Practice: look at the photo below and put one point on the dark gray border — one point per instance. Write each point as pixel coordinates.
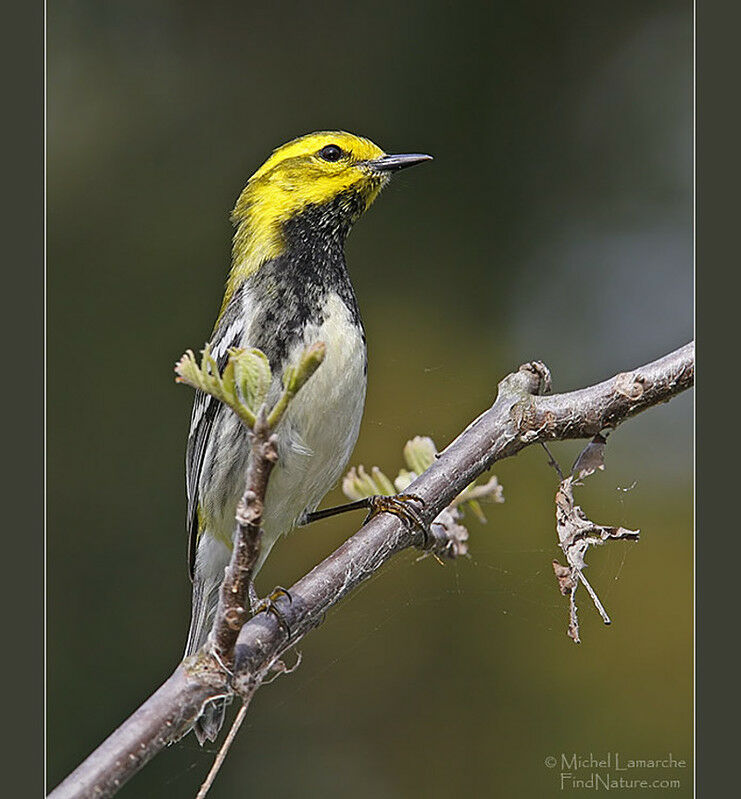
(22, 64)
(718, 264)
(717, 256)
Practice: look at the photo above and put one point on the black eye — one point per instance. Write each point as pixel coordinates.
(331, 153)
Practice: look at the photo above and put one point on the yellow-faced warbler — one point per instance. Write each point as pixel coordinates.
(288, 288)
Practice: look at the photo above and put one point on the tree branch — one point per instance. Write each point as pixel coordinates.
(519, 417)
(231, 612)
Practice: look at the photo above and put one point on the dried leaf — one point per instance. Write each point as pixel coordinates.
(576, 533)
(563, 575)
(590, 459)
(447, 525)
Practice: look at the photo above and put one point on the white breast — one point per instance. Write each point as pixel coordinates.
(320, 429)
(316, 438)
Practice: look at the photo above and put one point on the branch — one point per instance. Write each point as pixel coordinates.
(231, 612)
(519, 417)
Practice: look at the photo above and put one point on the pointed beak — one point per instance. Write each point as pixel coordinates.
(393, 163)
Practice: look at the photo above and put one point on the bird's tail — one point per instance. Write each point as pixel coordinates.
(205, 599)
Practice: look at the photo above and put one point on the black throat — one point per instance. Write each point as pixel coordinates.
(294, 287)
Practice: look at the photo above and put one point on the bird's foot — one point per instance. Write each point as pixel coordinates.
(269, 605)
(400, 505)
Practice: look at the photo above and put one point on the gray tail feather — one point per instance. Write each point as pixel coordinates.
(205, 598)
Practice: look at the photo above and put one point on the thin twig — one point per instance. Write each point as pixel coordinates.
(224, 751)
(232, 612)
(593, 594)
(551, 460)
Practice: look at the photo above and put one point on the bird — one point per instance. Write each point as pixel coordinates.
(288, 288)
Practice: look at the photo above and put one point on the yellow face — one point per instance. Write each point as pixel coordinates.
(314, 170)
(311, 170)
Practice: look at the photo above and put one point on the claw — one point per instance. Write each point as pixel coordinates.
(279, 591)
(413, 497)
(268, 605)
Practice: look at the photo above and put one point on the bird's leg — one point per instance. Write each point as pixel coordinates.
(399, 505)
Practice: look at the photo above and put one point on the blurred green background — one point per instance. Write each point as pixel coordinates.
(554, 223)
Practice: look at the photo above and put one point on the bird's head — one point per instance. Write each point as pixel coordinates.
(328, 178)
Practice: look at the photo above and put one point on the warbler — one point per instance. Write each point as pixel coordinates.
(288, 288)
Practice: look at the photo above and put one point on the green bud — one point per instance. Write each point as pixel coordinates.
(311, 360)
(385, 486)
(252, 376)
(404, 479)
(294, 379)
(419, 454)
(187, 370)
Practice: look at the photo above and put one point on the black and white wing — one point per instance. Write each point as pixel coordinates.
(206, 411)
